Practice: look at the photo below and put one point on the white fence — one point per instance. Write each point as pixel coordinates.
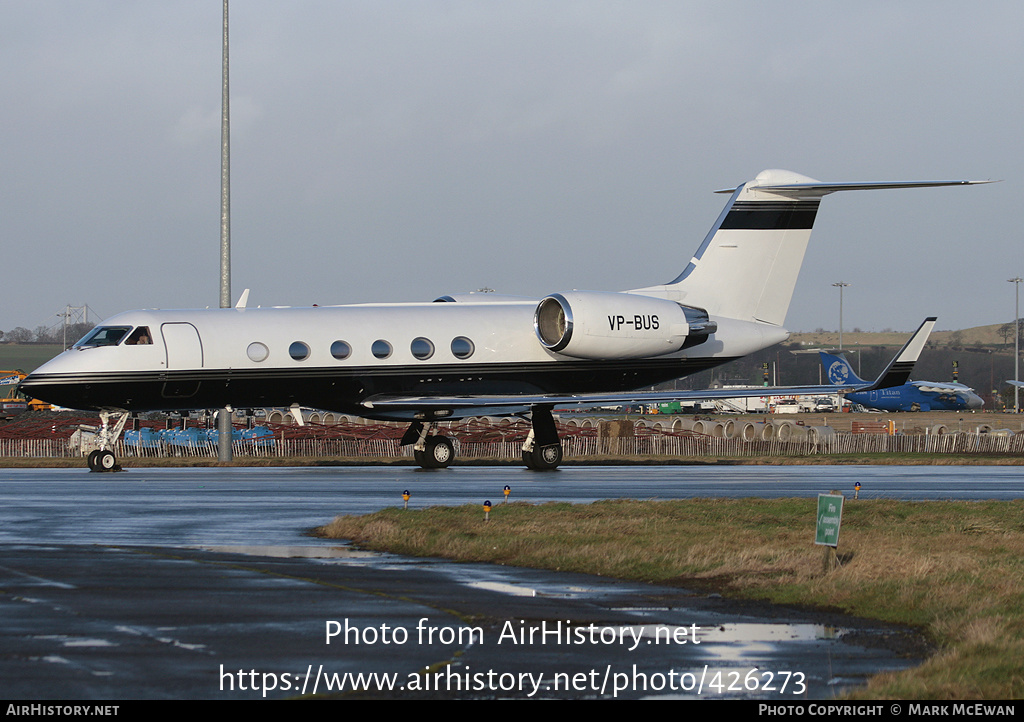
(667, 445)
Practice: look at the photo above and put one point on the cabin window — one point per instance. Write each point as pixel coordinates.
(140, 337)
(105, 336)
(462, 347)
(381, 348)
(422, 348)
(340, 350)
(257, 352)
(298, 351)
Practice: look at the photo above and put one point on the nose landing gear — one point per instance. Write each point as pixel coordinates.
(103, 459)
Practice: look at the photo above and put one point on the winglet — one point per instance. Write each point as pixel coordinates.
(898, 371)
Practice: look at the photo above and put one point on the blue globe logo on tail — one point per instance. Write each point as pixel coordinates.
(838, 373)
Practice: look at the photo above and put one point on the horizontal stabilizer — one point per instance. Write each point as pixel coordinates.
(823, 189)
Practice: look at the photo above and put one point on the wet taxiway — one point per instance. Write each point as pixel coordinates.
(185, 583)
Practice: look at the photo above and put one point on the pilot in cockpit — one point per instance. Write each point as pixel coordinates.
(139, 337)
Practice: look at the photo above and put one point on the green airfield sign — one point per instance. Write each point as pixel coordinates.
(830, 514)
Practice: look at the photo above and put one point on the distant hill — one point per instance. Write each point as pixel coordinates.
(977, 336)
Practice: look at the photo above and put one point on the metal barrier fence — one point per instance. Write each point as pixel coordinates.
(668, 445)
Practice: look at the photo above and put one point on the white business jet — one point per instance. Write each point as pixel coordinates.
(470, 354)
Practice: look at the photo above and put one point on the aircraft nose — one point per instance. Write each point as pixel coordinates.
(43, 383)
(31, 386)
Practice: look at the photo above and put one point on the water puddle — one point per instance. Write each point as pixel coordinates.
(513, 589)
(292, 552)
(67, 641)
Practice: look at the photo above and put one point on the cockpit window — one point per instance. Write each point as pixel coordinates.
(140, 337)
(104, 336)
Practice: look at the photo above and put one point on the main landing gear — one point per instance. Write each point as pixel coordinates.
(542, 450)
(430, 452)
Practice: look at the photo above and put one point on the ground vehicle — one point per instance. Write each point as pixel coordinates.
(824, 404)
(13, 402)
(787, 406)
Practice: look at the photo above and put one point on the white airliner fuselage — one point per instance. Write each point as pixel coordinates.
(336, 357)
(467, 354)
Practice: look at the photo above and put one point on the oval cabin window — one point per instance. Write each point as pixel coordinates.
(422, 348)
(257, 352)
(462, 347)
(340, 350)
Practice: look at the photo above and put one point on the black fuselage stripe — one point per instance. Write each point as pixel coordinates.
(684, 366)
(342, 389)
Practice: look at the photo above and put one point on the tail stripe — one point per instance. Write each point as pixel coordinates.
(762, 216)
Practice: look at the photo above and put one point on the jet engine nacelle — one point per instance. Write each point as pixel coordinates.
(596, 325)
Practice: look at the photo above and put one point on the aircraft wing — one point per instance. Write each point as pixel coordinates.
(942, 388)
(895, 374)
(396, 403)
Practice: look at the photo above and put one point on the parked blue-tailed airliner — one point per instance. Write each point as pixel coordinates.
(911, 396)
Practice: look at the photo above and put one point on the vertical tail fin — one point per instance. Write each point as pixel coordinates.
(897, 373)
(748, 264)
(839, 371)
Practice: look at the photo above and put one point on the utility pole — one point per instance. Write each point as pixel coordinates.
(841, 285)
(1016, 341)
(78, 313)
(224, 417)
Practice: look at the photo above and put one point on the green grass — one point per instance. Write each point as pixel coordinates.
(26, 356)
(955, 569)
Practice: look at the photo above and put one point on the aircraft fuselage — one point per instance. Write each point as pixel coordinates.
(334, 357)
(910, 397)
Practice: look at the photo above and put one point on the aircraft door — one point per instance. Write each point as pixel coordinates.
(184, 351)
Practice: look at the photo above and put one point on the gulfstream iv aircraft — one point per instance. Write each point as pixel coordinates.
(468, 354)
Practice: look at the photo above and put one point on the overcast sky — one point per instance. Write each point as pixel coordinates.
(398, 151)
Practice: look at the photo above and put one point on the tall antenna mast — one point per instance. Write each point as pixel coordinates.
(224, 426)
(225, 175)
